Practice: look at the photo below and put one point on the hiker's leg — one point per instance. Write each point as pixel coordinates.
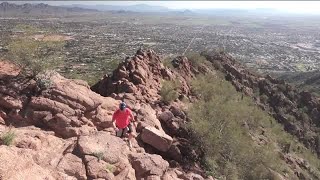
(130, 135)
(119, 133)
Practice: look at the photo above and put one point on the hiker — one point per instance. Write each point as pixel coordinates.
(121, 120)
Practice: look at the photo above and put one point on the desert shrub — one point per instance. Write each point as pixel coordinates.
(110, 168)
(196, 59)
(98, 155)
(43, 80)
(34, 56)
(169, 91)
(7, 138)
(204, 88)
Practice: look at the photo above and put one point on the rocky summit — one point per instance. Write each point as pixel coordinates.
(63, 130)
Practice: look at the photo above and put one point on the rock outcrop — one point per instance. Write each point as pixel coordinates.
(68, 107)
(158, 139)
(141, 76)
(63, 130)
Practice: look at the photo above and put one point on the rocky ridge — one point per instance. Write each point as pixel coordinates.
(63, 129)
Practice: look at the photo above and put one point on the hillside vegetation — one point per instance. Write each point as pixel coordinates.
(309, 81)
(239, 140)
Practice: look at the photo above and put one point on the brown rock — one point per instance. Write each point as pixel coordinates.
(166, 116)
(191, 176)
(177, 112)
(158, 139)
(37, 157)
(10, 102)
(112, 148)
(174, 153)
(127, 174)
(18, 164)
(148, 115)
(68, 107)
(99, 168)
(153, 177)
(45, 104)
(2, 121)
(72, 165)
(146, 165)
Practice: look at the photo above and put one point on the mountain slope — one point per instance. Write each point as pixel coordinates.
(7, 9)
(299, 112)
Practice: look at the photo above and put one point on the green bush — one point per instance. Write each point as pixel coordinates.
(169, 91)
(7, 138)
(196, 59)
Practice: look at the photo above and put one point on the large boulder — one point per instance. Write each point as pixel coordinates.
(72, 165)
(166, 116)
(147, 165)
(37, 154)
(148, 115)
(156, 138)
(111, 148)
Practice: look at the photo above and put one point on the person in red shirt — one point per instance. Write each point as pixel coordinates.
(121, 120)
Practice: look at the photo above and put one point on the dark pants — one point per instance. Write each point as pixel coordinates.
(124, 131)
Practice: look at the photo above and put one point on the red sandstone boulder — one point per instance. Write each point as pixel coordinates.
(111, 148)
(147, 165)
(72, 165)
(158, 139)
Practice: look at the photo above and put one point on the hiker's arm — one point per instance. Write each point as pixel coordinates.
(132, 119)
(114, 121)
(114, 124)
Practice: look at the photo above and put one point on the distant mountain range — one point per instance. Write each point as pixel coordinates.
(41, 8)
(133, 8)
(162, 9)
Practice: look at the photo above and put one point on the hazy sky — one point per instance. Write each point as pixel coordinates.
(289, 6)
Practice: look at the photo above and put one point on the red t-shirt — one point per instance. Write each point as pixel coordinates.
(122, 118)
